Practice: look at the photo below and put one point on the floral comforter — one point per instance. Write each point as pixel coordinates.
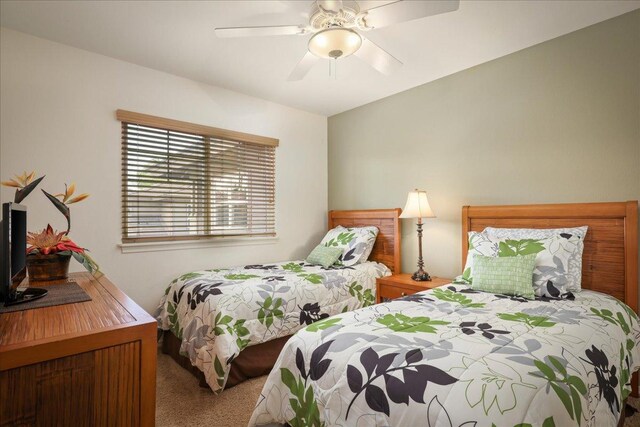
(452, 356)
(219, 312)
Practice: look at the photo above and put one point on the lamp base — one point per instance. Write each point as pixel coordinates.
(421, 276)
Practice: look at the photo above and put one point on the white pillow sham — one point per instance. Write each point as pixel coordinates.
(356, 243)
(574, 271)
(550, 277)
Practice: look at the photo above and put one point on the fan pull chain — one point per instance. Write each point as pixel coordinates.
(333, 64)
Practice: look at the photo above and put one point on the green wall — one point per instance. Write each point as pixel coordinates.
(556, 122)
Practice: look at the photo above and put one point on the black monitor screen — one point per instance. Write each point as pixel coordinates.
(14, 247)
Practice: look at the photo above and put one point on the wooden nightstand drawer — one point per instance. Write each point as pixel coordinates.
(400, 285)
(392, 292)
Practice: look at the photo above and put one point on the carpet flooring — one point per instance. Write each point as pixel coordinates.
(182, 402)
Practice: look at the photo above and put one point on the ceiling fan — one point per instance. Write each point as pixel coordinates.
(336, 27)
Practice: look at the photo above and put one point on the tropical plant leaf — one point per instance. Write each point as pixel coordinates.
(87, 262)
(64, 209)
(24, 192)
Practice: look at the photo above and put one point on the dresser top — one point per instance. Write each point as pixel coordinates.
(109, 310)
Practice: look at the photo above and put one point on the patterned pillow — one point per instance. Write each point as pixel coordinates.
(324, 256)
(356, 243)
(479, 244)
(574, 272)
(552, 258)
(504, 275)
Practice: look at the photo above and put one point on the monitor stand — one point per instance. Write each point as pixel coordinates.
(29, 294)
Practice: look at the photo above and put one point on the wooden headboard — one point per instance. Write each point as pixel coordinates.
(387, 247)
(610, 257)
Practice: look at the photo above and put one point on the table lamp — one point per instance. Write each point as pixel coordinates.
(418, 207)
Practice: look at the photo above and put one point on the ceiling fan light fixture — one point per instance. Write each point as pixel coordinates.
(334, 43)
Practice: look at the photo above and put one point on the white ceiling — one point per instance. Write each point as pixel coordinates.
(178, 37)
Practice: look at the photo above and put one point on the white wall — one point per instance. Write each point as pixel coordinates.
(57, 116)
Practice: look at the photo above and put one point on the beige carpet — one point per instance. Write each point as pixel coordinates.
(182, 402)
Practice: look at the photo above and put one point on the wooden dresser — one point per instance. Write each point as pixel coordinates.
(85, 364)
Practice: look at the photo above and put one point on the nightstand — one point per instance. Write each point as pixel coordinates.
(400, 285)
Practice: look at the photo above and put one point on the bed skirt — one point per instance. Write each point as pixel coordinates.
(253, 361)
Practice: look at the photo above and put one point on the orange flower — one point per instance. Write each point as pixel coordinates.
(49, 241)
(20, 181)
(68, 192)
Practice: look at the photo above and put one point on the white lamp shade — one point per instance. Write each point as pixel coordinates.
(417, 206)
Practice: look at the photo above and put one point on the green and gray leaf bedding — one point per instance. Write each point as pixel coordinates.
(219, 312)
(453, 356)
(558, 257)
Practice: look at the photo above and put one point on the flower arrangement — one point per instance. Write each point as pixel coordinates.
(48, 241)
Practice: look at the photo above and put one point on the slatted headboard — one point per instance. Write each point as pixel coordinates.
(610, 257)
(387, 247)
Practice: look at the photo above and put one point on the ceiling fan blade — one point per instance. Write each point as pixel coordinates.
(303, 67)
(402, 11)
(377, 57)
(278, 30)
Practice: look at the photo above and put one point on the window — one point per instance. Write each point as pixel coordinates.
(183, 181)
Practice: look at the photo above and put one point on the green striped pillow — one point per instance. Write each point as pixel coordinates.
(504, 275)
(324, 255)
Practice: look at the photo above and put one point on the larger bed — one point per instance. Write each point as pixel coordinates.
(453, 356)
(227, 325)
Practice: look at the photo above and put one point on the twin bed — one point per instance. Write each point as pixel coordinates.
(228, 325)
(454, 356)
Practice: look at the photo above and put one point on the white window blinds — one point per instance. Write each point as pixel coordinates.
(179, 185)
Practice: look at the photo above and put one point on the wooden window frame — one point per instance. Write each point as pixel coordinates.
(209, 134)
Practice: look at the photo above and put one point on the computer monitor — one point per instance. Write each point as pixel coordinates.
(13, 256)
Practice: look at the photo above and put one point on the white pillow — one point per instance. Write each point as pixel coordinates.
(552, 258)
(356, 243)
(574, 272)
